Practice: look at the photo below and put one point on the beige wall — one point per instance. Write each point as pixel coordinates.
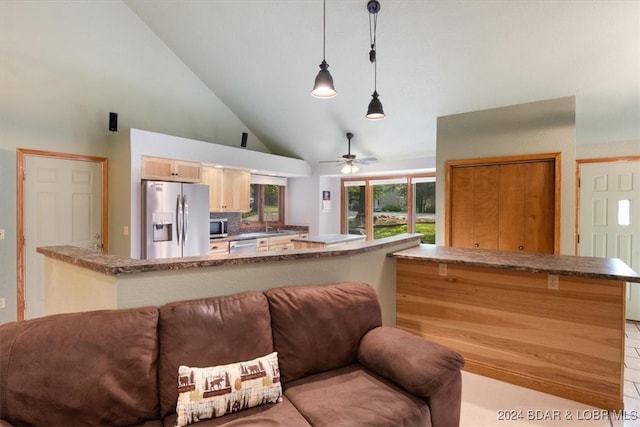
(64, 66)
(536, 127)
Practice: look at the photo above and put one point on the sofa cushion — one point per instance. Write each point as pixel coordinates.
(80, 369)
(318, 328)
(218, 390)
(210, 332)
(354, 396)
(284, 414)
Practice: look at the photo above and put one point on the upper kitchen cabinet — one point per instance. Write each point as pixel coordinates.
(507, 204)
(229, 189)
(161, 169)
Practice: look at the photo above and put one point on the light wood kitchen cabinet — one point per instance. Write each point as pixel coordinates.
(505, 206)
(263, 244)
(229, 189)
(162, 169)
(219, 248)
(279, 243)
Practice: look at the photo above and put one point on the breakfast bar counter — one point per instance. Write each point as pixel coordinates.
(78, 279)
(590, 267)
(553, 323)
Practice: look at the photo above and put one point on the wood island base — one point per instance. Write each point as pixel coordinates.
(558, 334)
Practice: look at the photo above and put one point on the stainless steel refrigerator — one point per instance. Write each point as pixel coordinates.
(175, 218)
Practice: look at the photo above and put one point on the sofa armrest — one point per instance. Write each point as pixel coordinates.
(4, 423)
(420, 366)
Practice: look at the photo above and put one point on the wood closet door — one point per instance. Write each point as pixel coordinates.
(526, 199)
(504, 206)
(475, 200)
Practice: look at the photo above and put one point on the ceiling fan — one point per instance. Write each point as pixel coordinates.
(350, 161)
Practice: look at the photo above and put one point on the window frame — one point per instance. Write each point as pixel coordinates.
(369, 182)
(245, 224)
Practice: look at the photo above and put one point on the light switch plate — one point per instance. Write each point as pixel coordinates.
(3, 303)
(1, 233)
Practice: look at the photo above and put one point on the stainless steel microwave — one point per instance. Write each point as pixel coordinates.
(218, 227)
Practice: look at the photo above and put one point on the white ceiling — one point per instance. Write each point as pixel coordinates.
(435, 58)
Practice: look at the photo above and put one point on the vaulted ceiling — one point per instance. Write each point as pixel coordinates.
(435, 58)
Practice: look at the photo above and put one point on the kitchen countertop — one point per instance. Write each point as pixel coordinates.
(260, 234)
(115, 265)
(568, 265)
(330, 239)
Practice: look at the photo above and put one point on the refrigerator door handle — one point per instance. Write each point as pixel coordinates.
(185, 210)
(179, 219)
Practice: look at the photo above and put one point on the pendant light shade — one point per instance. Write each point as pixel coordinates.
(323, 86)
(375, 111)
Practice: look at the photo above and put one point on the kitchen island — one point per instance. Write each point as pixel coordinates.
(552, 323)
(325, 240)
(78, 279)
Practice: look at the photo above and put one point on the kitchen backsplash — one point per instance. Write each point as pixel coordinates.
(234, 220)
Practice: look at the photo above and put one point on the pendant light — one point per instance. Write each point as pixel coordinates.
(375, 111)
(323, 87)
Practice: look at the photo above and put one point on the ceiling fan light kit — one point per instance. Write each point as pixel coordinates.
(349, 169)
(374, 111)
(323, 86)
(349, 161)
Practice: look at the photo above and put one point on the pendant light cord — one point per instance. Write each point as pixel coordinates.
(324, 27)
(373, 57)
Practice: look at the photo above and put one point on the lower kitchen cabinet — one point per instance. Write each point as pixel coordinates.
(218, 248)
(278, 243)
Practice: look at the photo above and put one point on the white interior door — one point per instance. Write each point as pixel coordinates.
(609, 218)
(62, 206)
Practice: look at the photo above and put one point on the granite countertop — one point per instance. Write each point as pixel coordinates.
(568, 265)
(115, 265)
(330, 239)
(260, 234)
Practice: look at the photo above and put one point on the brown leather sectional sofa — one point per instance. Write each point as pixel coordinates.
(337, 365)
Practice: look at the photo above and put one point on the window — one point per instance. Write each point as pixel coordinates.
(266, 200)
(390, 214)
(355, 208)
(424, 205)
(382, 207)
(624, 212)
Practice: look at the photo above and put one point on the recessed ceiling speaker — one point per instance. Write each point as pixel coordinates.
(113, 122)
(243, 144)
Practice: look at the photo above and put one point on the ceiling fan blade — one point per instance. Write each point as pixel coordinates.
(366, 160)
(330, 161)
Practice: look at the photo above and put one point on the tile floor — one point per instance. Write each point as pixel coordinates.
(485, 401)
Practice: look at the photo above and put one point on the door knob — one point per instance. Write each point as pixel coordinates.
(521, 247)
(476, 245)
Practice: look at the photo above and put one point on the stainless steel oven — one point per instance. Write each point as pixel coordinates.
(218, 227)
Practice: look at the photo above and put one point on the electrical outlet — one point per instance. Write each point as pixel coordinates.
(3, 303)
(442, 269)
(125, 230)
(1, 233)
(553, 281)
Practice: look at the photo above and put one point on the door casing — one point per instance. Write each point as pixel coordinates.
(20, 159)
